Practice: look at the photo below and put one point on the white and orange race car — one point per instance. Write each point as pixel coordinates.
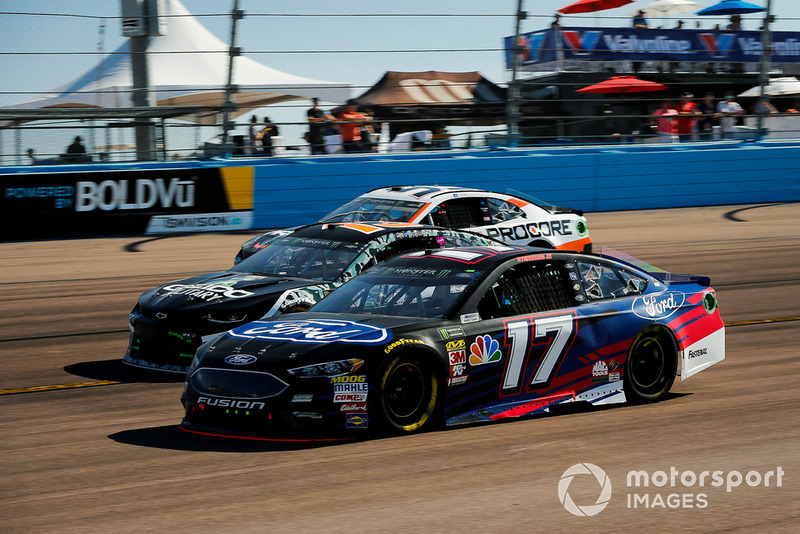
(509, 218)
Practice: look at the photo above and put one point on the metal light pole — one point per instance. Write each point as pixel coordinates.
(230, 89)
(512, 107)
(763, 75)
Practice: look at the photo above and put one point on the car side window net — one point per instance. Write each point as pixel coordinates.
(531, 288)
(459, 213)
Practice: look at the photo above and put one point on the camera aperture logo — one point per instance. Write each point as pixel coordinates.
(584, 469)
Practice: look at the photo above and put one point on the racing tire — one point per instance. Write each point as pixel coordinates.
(651, 366)
(409, 395)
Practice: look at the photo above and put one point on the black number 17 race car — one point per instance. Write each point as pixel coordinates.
(456, 336)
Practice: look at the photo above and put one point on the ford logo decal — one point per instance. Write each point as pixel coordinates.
(314, 331)
(658, 305)
(240, 359)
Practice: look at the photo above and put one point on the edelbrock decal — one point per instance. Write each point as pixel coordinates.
(658, 306)
(314, 331)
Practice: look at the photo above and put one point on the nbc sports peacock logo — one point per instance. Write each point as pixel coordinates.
(583, 470)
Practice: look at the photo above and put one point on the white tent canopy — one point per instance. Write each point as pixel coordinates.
(188, 67)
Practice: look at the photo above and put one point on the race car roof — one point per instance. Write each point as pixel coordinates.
(477, 257)
(360, 231)
(423, 193)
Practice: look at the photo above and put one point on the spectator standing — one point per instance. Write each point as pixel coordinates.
(680, 25)
(368, 139)
(706, 123)
(31, 156)
(269, 131)
(728, 110)
(252, 134)
(441, 137)
(639, 21)
(316, 127)
(687, 117)
(665, 123)
(350, 121)
(76, 151)
(735, 23)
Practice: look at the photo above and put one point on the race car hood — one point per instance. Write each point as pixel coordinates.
(306, 338)
(218, 289)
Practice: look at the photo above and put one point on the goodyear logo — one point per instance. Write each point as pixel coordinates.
(399, 343)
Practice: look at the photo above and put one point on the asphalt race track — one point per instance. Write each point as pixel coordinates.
(86, 447)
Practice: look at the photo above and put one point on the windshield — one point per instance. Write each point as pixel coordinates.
(401, 291)
(302, 257)
(374, 209)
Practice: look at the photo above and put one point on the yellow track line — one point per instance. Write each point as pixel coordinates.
(34, 389)
(763, 321)
(59, 386)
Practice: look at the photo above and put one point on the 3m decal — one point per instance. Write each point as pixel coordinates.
(521, 335)
(484, 350)
(457, 357)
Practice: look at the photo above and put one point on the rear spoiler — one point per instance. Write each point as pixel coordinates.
(666, 277)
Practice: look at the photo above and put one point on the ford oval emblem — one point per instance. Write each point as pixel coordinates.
(314, 331)
(658, 305)
(240, 359)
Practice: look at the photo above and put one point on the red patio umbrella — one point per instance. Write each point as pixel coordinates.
(623, 84)
(590, 6)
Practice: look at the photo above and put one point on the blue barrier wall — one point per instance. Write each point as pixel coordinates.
(607, 178)
(289, 191)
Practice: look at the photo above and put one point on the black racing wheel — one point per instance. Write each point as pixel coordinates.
(409, 394)
(651, 366)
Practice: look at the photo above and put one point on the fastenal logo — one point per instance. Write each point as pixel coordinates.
(584, 469)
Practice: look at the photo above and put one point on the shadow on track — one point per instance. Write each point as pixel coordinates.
(170, 437)
(115, 370)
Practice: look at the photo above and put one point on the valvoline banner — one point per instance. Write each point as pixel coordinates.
(644, 44)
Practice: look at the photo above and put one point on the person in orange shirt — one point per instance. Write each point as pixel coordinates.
(350, 121)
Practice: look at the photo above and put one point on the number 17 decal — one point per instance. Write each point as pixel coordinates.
(521, 335)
